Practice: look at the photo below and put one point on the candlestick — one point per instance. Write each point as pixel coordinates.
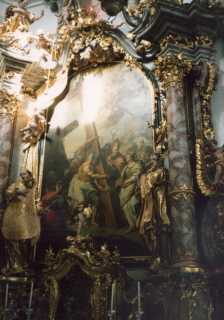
(6, 295)
(139, 314)
(111, 314)
(112, 297)
(31, 295)
(139, 299)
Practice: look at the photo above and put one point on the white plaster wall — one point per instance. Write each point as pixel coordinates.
(217, 101)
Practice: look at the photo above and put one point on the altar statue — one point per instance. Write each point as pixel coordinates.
(153, 222)
(19, 18)
(129, 199)
(35, 127)
(21, 224)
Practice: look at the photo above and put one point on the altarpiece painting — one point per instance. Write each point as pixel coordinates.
(97, 146)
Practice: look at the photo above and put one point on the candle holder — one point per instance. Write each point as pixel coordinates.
(29, 312)
(111, 314)
(139, 314)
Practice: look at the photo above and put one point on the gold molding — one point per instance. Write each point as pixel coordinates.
(183, 42)
(177, 1)
(181, 192)
(138, 9)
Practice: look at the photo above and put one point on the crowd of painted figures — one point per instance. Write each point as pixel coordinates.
(21, 224)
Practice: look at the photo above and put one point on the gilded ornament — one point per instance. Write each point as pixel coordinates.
(172, 69)
(204, 41)
(135, 11)
(157, 293)
(193, 255)
(28, 92)
(161, 130)
(186, 43)
(12, 75)
(216, 153)
(9, 103)
(206, 146)
(181, 192)
(16, 26)
(206, 93)
(177, 1)
(177, 40)
(91, 34)
(212, 3)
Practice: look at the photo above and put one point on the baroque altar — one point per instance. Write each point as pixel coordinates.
(111, 164)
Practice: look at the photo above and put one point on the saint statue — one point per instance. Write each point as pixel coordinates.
(153, 222)
(21, 224)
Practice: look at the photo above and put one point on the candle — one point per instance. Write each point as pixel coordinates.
(139, 302)
(31, 295)
(112, 296)
(6, 295)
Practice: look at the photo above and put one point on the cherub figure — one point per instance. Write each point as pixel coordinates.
(81, 219)
(217, 153)
(65, 12)
(43, 43)
(88, 211)
(35, 127)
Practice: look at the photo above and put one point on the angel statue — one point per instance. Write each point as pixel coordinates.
(19, 18)
(34, 128)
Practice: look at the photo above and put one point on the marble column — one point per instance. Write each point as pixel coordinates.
(172, 70)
